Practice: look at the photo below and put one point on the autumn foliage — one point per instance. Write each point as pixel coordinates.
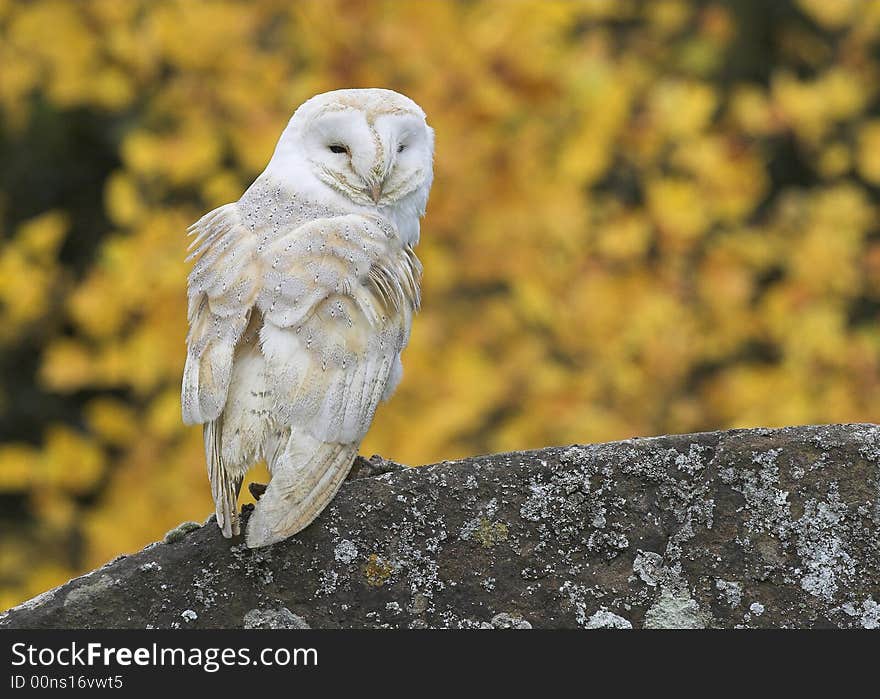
(648, 217)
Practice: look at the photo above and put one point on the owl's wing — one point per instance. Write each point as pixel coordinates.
(222, 289)
(337, 301)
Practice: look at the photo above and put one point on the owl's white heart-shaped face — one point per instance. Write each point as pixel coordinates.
(371, 146)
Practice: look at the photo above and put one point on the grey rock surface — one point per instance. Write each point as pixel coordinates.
(747, 528)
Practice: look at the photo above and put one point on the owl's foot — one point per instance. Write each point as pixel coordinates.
(257, 489)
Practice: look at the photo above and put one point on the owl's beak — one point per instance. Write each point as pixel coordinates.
(376, 191)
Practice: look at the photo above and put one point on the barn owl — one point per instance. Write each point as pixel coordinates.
(301, 300)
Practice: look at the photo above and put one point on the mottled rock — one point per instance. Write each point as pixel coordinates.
(746, 528)
(732, 591)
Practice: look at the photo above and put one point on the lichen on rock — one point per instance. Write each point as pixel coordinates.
(277, 618)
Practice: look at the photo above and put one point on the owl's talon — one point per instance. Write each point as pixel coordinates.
(257, 489)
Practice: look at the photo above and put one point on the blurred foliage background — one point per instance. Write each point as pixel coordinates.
(648, 217)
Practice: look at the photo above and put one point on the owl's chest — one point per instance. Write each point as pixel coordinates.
(269, 209)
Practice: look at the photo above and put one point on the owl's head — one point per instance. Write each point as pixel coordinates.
(371, 146)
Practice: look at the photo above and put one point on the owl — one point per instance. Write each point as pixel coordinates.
(301, 299)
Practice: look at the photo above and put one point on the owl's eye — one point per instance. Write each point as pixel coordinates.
(337, 148)
(401, 148)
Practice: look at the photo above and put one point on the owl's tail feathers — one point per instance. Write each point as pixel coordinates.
(224, 486)
(305, 477)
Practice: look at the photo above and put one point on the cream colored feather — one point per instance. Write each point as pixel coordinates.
(301, 301)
